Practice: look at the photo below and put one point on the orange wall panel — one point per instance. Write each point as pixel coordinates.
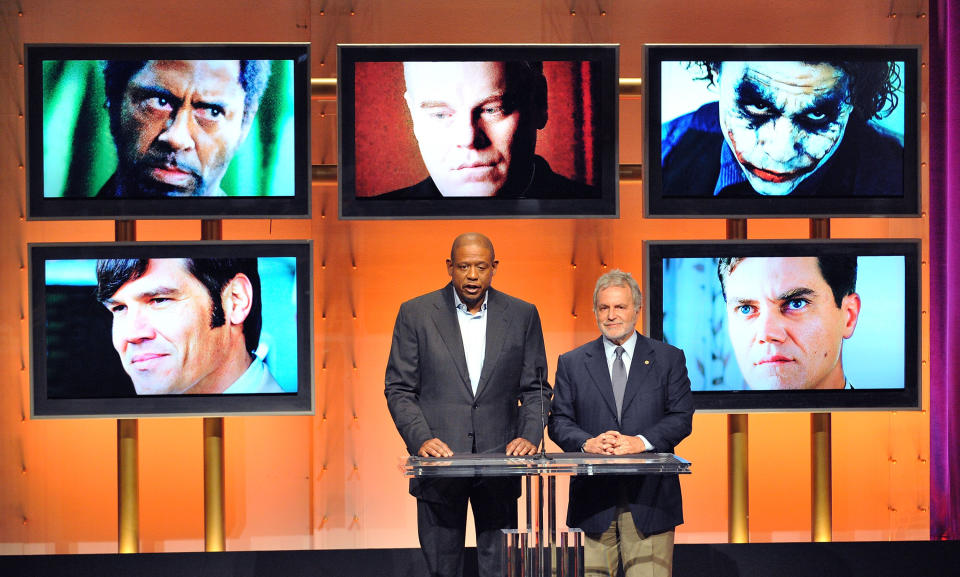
(332, 480)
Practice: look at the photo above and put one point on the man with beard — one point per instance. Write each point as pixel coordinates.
(620, 394)
(178, 123)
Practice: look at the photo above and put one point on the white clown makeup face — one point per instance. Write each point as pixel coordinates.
(782, 120)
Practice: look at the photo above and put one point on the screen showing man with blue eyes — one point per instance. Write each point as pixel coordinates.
(788, 318)
(177, 123)
(788, 128)
(476, 126)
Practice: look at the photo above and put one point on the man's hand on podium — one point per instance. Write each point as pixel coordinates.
(520, 446)
(435, 448)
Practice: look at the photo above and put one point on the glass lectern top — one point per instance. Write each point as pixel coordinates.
(495, 465)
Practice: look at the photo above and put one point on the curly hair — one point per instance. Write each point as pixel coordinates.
(253, 78)
(873, 85)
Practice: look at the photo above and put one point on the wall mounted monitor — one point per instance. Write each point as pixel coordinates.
(124, 131)
(478, 131)
(781, 131)
(791, 325)
(171, 329)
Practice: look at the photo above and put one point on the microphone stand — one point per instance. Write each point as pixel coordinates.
(541, 453)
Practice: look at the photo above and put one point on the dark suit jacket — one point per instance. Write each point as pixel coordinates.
(657, 404)
(428, 387)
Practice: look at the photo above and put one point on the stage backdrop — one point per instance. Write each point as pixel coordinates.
(331, 480)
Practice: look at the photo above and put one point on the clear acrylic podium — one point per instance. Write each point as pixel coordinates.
(534, 551)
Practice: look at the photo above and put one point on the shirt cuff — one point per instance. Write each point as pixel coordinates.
(646, 444)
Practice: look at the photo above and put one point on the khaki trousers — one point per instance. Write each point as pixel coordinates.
(640, 555)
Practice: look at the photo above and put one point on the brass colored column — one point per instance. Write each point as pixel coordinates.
(738, 518)
(214, 534)
(738, 497)
(821, 451)
(821, 499)
(128, 468)
(128, 487)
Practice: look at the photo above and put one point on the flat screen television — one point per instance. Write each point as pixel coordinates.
(781, 131)
(813, 325)
(134, 330)
(477, 131)
(124, 131)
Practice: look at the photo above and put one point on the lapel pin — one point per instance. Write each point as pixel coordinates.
(646, 362)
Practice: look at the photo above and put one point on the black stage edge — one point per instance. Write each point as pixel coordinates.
(887, 559)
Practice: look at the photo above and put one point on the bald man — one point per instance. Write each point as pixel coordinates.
(476, 125)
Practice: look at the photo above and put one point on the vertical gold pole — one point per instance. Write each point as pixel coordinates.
(213, 485)
(128, 487)
(738, 497)
(821, 472)
(738, 522)
(821, 453)
(128, 468)
(214, 531)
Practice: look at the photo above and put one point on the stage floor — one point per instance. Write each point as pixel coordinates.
(889, 559)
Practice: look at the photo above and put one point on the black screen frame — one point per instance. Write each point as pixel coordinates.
(40, 207)
(45, 406)
(657, 205)
(353, 208)
(860, 399)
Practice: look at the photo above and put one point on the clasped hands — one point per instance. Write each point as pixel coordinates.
(614, 443)
(437, 448)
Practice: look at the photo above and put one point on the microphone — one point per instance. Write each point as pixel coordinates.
(543, 417)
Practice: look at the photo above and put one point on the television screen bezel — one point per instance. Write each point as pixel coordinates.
(299, 403)
(353, 208)
(656, 205)
(40, 207)
(744, 401)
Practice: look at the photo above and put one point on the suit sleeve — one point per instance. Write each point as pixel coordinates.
(563, 427)
(677, 420)
(533, 379)
(403, 384)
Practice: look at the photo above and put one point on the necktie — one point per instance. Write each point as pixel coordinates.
(619, 379)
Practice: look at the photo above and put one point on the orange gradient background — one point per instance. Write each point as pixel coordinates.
(331, 481)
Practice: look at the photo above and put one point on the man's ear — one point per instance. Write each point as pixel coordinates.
(237, 299)
(540, 103)
(850, 307)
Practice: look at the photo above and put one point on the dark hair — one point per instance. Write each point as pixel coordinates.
(213, 274)
(873, 85)
(839, 272)
(525, 79)
(117, 73)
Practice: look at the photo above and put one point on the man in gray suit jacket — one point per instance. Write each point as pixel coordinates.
(623, 393)
(461, 359)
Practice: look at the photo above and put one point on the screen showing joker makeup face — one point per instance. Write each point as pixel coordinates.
(782, 120)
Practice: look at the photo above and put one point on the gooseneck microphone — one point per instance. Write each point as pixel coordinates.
(543, 417)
